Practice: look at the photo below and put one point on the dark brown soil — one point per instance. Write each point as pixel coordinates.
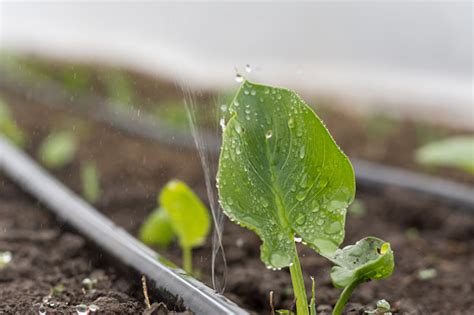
(47, 257)
(424, 233)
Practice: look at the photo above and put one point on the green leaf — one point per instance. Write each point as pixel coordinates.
(90, 182)
(187, 214)
(8, 126)
(369, 259)
(282, 175)
(157, 229)
(58, 149)
(452, 152)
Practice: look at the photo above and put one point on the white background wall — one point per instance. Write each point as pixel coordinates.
(398, 53)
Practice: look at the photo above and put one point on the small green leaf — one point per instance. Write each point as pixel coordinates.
(58, 149)
(157, 229)
(452, 152)
(282, 175)
(368, 259)
(90, 182)
(8, 126)
(187, 214)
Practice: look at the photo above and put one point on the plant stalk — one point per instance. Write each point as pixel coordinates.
(344, 297)
(298, 286)
(187, 259)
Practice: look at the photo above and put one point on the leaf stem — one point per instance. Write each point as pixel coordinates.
(344, 297)
(187, 259)
(298, 286)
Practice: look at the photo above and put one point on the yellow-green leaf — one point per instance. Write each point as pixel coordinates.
(187, 214)
(369, 259)
(58, 149)
(157, 229)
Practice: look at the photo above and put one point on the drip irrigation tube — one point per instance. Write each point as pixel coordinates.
(368, 174)
(108, 236)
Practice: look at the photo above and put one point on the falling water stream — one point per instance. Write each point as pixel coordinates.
(204, 138)
(205, 145)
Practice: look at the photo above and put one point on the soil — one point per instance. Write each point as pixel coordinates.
(424, 233)
(49, 265)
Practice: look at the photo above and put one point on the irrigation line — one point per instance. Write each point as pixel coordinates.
(113, 239)
(368, 174)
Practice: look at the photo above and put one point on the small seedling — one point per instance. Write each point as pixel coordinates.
(282, 176)
(8, 126)
(89, 284)
(90, 181)
(57, 289)
(58, 149)
(181, 214)
(383, 308)
(455, 152)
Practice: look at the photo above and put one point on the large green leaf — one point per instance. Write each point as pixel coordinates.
(282, 175)
(369, 259)
(187, 214)
(157, 229)
(452, 152)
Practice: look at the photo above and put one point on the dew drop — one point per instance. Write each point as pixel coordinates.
(302, 152)
(82, 309)
(266, 91)
(253, 92)
(224, 108)
(236, 103)
(291, 123)
(5, 258)
(246, 92)
(297, 239)
(238, 127)
(93, 308)
(278, 259)
(333, 228)
(248, 68)
(268, 134)
(301, 219)
(222, 123)
(239, 78)
(301, 195)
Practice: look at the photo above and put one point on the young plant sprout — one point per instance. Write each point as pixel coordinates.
(180, 214)
(282, 176)
(8, 126)
(90, 181)
(455, 152)
(58, 149)
(383, 308)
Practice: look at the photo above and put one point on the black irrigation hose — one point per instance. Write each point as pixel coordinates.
(108, 236)
(368, 174)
